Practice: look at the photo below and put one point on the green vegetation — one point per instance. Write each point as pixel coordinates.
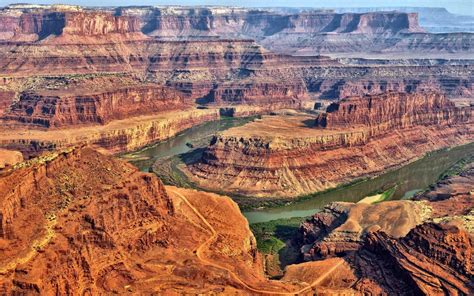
(272, 236)
(387, 195)
(458, 167)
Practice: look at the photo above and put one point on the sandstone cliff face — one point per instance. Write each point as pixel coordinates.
(50, 24)
(118, 136)
(273, 95)
(255, 24)
(286, 156)
(102, 227)
(69, 110)
(393, 111)
(432, 259)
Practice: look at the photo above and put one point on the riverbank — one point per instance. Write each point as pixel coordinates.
(276, 238)
(169, 170)
(112, 138)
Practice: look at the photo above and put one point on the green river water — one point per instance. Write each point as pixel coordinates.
(409, 179)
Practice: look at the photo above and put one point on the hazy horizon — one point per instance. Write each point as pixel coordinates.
(465, 7)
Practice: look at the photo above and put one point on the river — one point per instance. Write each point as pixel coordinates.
(409, 179)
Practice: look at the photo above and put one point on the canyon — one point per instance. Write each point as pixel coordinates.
(329, 96)
(101, 226)
(292, 155)
(64, 67)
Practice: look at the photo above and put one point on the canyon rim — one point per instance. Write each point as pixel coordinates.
(140, 144)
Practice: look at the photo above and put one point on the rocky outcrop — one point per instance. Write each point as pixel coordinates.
(432, 259)
(68, 109)
(273, 95)
(286, 156)
(78, 222)
(393, 111)
(60, 26)
(118, 136)
(341, 228)
(418, 247)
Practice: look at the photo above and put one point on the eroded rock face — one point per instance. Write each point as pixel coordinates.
(341, 228)
(432, 259)
(260, 24)
(65, 26)
(273, 95)
(115, 137)
(102, 227)
(287, 156)
(399, 247)
(393, 111)
(66, 109)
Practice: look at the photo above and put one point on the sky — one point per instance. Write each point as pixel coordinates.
(455, 6)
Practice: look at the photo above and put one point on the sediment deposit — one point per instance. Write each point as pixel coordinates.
(293, 155)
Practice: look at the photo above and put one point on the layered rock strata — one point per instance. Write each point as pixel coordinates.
(115, 137)
(67, 26)
(59, 109)
(387, 112)
(286, 156)
(302, 31)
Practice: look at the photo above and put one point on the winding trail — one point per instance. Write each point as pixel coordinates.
(201, 248)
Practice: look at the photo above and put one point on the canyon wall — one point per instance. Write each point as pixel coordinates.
(276, 95)
(287, 156)
(301, 31)
(393, 111)
(295, 32)
(62, 26)
(115, 137)
(58, 79)
(260, 24)
(66, 109)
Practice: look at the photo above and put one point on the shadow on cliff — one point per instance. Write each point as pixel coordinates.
(192, 156)
(290, 253)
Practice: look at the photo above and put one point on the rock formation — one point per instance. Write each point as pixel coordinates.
(286, 156)
(67, 26)
(301, 31)
(115, 137)
(387, 112)
(432, 259)
(102, 227)
(418, 247)
(341, 227)
(58, 109)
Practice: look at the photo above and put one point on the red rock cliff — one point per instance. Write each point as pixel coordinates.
(66, 110)
(40, 25)
(393, 111)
